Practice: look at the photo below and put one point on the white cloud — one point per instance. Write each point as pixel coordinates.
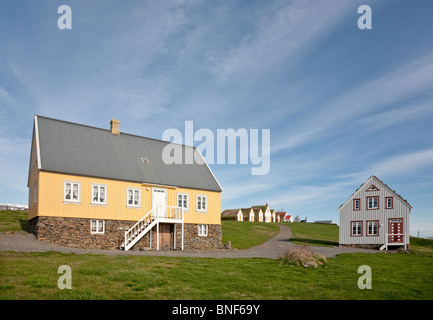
(399, 84)
(280, 35)
(404, 164)
(396, 116)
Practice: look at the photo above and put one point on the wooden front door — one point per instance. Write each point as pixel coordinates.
(395, 230)
(164, 236)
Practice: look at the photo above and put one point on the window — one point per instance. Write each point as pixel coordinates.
(201, 203)
(389, 202)
(33, 157)
(35, 193)
(372, 203)
(356, 228)
(71, 192)
(372, 228)
(183, 201)
(356, 204)
(373, 188)
(202, 230)
(97, 226)
(133, 197)
(99, 194)
(144, 160)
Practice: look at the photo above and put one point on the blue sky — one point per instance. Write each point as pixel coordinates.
(342, 103)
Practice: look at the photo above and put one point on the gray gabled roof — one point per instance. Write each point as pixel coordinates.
(77, 149)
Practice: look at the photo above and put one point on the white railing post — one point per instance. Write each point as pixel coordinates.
(174, 237)
(157, 236)
(182, 226)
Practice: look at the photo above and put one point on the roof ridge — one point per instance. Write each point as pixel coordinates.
(108, 130)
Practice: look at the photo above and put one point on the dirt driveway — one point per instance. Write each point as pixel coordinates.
(272, 248)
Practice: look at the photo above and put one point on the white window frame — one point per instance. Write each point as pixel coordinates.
(98, 224)
(72, 183)
(202, 230)
(136, 196)
(183, 197)
(35, 192)
(98, 202)
(199, 199)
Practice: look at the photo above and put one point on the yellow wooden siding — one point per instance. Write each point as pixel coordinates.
(33, 177)
(213, 214)
(51, 200)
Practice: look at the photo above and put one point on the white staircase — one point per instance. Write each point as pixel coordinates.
(152, 218)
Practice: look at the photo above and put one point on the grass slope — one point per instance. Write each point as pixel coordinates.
(13, 220)
(316, 234)
(244, 235)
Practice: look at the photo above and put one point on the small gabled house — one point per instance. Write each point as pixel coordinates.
(285, 217)
(267, 213)
(99, 188)
(375, 216)
(240, 215)
(251, 214)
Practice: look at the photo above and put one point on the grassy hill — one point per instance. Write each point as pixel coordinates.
(316, 234)
(244, 235)
(15, 220)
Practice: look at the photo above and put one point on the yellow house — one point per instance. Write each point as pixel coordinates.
(98, 188)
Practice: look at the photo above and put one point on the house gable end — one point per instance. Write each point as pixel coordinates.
(374, 185)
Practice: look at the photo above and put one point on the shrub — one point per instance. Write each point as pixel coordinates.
(302, 256)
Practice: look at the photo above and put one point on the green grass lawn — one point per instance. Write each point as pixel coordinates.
(245, 234)
(34, 276)
(315, 234)
(13, 220)
(421, 246)
(394, 276)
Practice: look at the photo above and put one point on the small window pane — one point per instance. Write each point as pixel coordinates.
(68, 191)
(75, 192)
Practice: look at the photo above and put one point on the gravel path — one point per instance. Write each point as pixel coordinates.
(270, 249)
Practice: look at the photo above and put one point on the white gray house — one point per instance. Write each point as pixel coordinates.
(375, 216)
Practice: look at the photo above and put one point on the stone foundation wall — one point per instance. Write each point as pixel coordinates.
(75, 232)
(192, 241)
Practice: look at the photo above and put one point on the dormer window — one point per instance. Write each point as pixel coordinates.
(144, 160)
